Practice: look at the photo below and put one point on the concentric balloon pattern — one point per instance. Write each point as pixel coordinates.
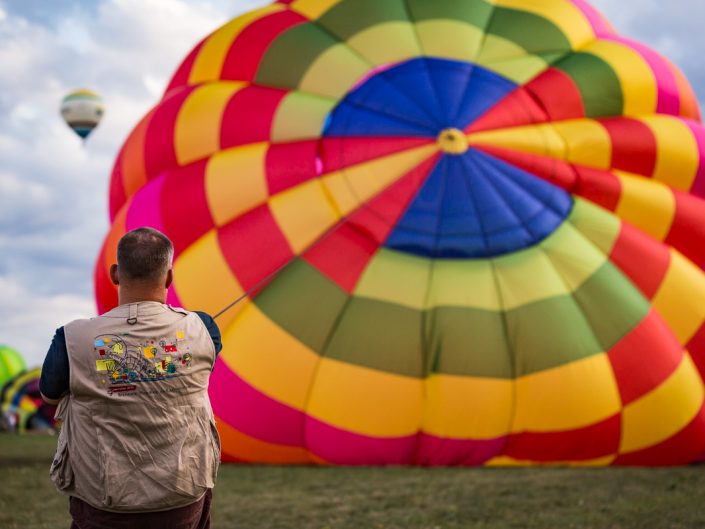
(471, 232)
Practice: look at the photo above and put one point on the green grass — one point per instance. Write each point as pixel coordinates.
(255, 497)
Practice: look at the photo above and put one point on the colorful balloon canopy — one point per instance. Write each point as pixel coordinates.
(82, 110)
(22, 406)
(11, 363)
(490, 220)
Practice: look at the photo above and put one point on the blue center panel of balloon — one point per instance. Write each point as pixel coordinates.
(471, 205)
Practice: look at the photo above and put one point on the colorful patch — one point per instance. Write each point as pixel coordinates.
(124, 364)
(104, 365)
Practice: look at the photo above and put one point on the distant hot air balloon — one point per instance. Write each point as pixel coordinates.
(486, 222)
(22, 405)
(82, 110)
(11, 363)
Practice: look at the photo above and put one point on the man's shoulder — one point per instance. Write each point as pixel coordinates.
(205, 317)
(58, 342)
(79, 322)
(179, 310)
(212, 328)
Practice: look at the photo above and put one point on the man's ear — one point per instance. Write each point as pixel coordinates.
(169, 278)
(114, 274)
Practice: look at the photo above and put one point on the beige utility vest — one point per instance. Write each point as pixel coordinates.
(138, 431)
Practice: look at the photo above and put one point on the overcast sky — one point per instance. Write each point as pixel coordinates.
(53, 190)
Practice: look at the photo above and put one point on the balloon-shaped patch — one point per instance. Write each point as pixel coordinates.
(468, 232)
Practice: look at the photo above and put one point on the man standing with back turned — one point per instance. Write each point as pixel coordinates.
(138, 446)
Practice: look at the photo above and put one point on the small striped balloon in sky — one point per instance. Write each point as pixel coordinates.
(82, 110)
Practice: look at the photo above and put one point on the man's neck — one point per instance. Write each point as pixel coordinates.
(129, 295)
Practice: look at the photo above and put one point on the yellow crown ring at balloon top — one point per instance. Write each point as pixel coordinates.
(82, 92)
(452, 141)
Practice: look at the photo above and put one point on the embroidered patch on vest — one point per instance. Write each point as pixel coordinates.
(123, 365)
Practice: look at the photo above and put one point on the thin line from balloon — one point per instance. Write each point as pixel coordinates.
(281, 267)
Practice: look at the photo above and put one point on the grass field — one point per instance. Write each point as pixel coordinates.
(255, 497)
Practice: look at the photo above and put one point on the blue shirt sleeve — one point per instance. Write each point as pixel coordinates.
(54, 380)
(213, 330)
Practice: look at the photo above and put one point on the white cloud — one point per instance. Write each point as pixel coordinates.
(34, 318)
(74, 34)
(154, 85)
(29, 195)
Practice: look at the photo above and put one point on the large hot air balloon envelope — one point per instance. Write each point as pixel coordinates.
(82, 110)
(490, 221)
(11, 363)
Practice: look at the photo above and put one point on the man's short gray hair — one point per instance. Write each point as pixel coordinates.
(144, 254)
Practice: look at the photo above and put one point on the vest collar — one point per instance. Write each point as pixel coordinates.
(132, 311)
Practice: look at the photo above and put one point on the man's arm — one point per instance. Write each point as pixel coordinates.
(213, 330)
(53, 402)
(54, 380)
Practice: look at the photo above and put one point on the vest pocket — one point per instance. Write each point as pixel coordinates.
(60, 471)
(215, 443)
(199, 456)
